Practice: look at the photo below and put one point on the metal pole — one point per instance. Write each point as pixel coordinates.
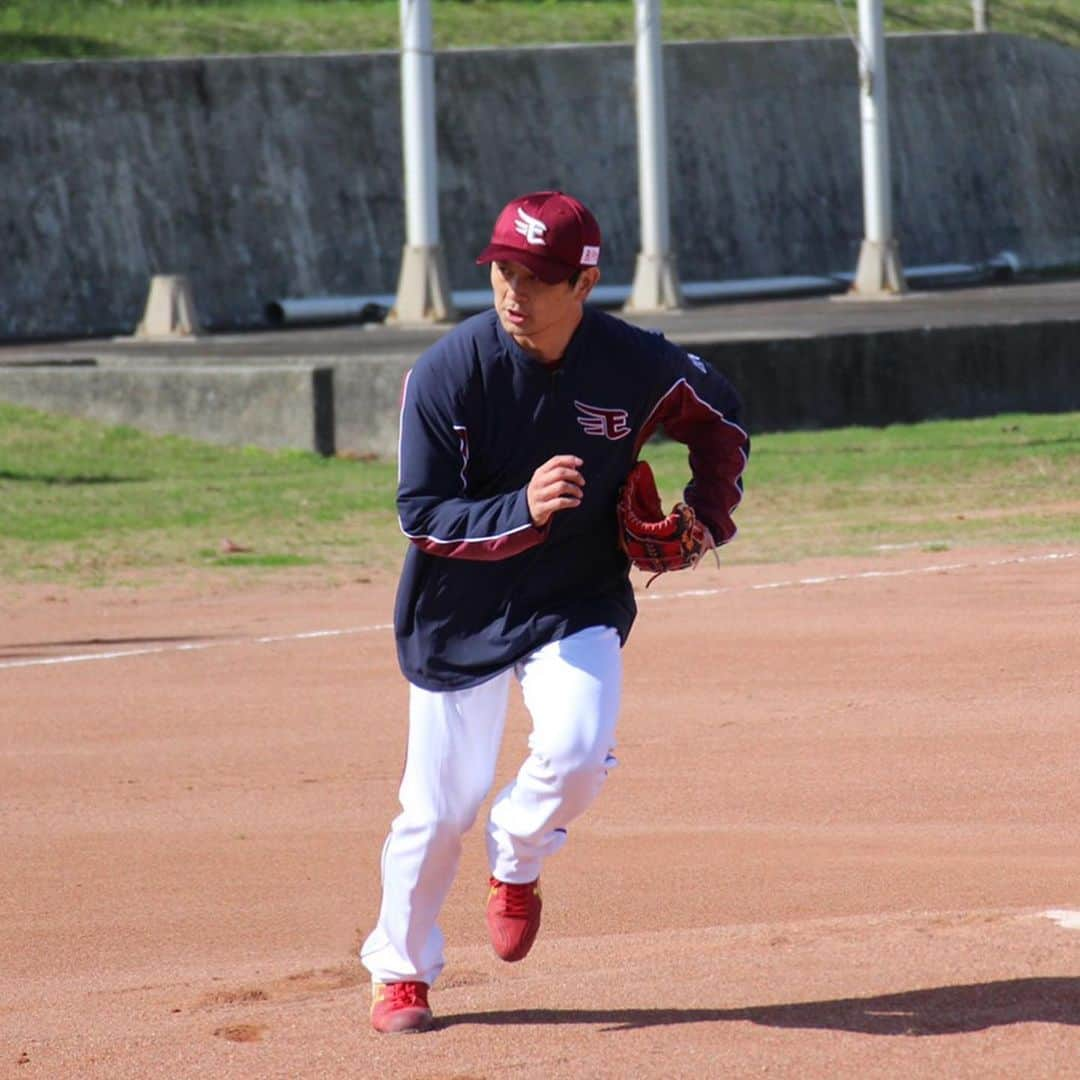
(652, 129)
(879, 271)
(418, 124)
(423, 292)
(873, 111)
(656, 283)
(981, 12)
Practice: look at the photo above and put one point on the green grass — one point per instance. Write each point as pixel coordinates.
(1004, 479)
(85, 504)
(81, 29)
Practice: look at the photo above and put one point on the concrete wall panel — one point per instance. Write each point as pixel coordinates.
(271, 407)
(264, 177)
(903, 376)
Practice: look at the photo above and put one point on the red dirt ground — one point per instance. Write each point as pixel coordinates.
(848, 797)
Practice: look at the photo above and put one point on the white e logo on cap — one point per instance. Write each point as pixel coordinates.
(531, 228)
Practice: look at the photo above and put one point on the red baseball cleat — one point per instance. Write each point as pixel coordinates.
(513, 917)
(400, 1008)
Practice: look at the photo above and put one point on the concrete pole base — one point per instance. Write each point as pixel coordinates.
(656, 284)
(423, 292)
(170, 309)
(878, 275)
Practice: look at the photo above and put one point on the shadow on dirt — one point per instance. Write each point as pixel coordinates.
(156, 639)
(945, 1010)
(27, 650)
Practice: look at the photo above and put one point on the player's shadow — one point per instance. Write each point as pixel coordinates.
(943, 1010)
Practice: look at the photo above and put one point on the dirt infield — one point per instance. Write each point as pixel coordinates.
(842, 840)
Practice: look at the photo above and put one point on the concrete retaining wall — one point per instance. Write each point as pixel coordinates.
(904, 376)
(264, 177)
(273, 407)
(350, 404)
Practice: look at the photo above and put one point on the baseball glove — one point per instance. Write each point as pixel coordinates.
(655, 541)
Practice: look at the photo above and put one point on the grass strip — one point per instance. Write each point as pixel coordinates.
(97, 29)
(85, 504)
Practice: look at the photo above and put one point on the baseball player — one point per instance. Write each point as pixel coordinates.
(519, 429)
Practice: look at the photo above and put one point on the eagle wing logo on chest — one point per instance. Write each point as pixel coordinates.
(611, 424)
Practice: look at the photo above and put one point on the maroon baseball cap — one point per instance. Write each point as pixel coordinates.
(550, 232)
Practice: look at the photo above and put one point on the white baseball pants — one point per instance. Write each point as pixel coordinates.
(571, 689)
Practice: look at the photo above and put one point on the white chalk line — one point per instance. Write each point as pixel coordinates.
(1068, 920)
(190, 646)
(790, 583)
(863, 575)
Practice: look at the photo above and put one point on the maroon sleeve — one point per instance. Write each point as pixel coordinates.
(701, 409)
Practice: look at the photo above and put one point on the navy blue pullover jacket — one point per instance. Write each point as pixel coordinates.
(482, 586)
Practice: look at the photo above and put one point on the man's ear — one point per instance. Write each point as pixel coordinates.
(586, 282)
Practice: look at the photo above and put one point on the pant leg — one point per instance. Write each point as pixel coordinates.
(572, 689)
(449, 769)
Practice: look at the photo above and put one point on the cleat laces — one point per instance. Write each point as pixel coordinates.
(517, 900)
(405, 994)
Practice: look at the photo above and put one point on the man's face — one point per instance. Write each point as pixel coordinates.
(528, 307)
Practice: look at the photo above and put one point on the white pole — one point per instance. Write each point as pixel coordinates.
(873, 109)
(418, 124)
(423, 292)
(656, 283)
(879, 270)
(652, 129)
(981, 11)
